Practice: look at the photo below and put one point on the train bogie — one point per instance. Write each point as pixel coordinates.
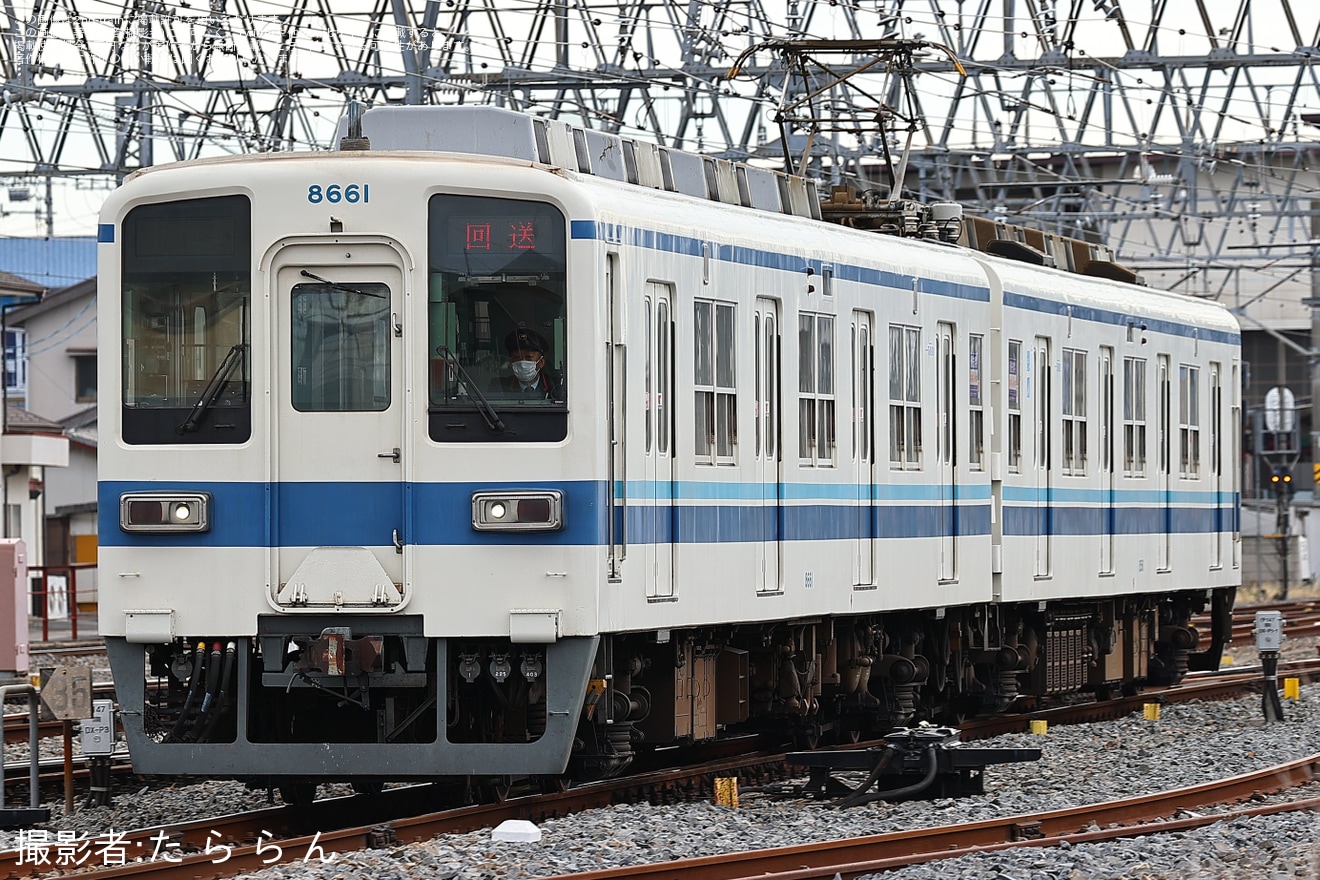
(425, 462)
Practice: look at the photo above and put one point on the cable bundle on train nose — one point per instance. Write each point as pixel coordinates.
(184, 722)
(211, 680)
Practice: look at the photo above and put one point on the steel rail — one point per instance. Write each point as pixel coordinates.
(1169, 826)
(862, 855)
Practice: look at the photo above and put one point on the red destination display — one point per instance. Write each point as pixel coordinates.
(498, 236)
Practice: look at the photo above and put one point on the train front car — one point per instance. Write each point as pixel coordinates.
(314, 440)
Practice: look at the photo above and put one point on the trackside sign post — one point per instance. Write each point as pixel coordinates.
(66, 695)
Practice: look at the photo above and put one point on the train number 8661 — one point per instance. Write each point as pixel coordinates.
(334, 193)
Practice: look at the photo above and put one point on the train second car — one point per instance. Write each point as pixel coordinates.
(485, 445)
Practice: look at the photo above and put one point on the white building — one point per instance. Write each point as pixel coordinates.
(59, 523)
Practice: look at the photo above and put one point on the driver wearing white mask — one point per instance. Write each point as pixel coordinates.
(527, 363)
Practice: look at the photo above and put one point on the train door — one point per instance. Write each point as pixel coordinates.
(1108, 511)
(659, 504)
(616, 355)
(1235, 465)
(863, 380)
(765, 323)
(1043, 463)
(338, 522)
(1216, 468)
(1164, 455)
(946, 444)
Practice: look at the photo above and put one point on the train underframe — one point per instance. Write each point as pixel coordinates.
(317, 698)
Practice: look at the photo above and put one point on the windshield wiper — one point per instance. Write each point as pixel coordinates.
(213, 388)
(344, 287)
(493, 420)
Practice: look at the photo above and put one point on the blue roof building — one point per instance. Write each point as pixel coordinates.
(49, 262)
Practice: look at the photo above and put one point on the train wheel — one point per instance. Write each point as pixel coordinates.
(552, 784)
(298, 794)
(369, 788)
(807, 739)
(495, 789)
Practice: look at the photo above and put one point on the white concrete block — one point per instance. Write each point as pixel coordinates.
(517, 830)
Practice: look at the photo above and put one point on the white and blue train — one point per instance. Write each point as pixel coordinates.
(777, 470)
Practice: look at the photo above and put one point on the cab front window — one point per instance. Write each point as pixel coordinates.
(186, 293)
(497, 320)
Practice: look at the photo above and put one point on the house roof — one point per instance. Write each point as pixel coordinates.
(81, 427)
(81, 419)
(11, 283)
(20, 421)
(53, 299)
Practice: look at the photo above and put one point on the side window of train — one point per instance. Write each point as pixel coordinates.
(975, 404)
(497, 320)
(1015, 406)
(1216, 417)
(1073, 402)
(655, 322)
(904, 397)
(816, 431)
(1189, 422)
(715, 387)
(649, 354)
(1134, 417)
(187, 303)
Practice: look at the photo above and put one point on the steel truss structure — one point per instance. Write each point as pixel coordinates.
(1179, 131)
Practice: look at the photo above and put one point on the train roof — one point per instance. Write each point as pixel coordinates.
(495, 131)
(483, 133)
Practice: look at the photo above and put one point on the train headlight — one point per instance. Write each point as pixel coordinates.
(160, 512)
(541, 511)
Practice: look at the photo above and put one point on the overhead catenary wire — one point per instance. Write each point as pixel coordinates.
(255, 48)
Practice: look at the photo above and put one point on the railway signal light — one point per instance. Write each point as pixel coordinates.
(1282, 483)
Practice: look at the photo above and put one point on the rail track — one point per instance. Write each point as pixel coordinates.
(1301, 620)
(78, 648)
(857, 856)
(232, 845)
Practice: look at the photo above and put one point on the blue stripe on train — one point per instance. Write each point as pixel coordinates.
(329, 514)
(685, 524)
(1066, 521)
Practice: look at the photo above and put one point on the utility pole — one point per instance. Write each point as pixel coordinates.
(1313, 362)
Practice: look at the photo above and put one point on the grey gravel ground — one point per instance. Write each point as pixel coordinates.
(1265, 848)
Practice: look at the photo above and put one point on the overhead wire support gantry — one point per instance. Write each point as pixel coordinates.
(811, 63)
